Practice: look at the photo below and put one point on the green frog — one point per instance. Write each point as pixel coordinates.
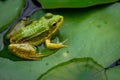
(26, 35)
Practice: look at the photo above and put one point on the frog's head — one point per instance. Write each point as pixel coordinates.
(54, 21)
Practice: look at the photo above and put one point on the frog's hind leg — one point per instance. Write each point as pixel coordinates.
(51, 45)
(25, 51)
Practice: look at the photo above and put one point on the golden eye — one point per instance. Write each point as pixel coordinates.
(48, 15)
(53, 23)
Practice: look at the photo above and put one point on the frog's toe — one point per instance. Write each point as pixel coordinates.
(36, 56)
(32, 56)
(51, 45)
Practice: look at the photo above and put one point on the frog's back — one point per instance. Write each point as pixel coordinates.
(30, 31)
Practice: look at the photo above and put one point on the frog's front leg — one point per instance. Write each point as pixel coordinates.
(25, 51)
(51, 45)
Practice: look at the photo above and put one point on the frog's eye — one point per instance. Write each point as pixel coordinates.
(48, 15)
(52, 23)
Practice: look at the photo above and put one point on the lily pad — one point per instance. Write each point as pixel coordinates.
(9, 11)
(76, 69)
(47, 4)
(113, 73)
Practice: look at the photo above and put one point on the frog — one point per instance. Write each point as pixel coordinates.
(26, 35)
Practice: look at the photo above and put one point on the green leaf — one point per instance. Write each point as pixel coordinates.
(113, 73)
(9, 11)
(47, 4)
(76, 69)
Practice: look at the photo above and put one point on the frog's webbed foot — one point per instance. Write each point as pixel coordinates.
(54, 45)
(25, 51)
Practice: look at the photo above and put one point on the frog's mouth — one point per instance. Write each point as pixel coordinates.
(60, 21)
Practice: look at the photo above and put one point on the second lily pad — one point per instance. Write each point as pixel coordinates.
(9, 10)
(72, 3)
(76, 69)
